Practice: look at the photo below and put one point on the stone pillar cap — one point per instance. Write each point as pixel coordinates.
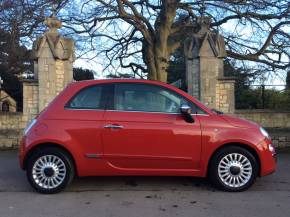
(53, 24)
(61, 48)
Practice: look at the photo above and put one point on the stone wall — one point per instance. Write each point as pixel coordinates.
(280, 137)
(12, 120)
(277, 124)
(11, 128)
(10, 138)
(266, 118)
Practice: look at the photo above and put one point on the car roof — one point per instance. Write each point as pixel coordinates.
(60, 101)
(123, 80)
(85, 83)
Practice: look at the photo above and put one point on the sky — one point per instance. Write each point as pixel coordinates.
(97, 64)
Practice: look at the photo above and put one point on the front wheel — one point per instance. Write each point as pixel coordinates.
(49, 170)
(233, 169)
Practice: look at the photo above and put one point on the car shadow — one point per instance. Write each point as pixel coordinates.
(13, 179)
(139, 183)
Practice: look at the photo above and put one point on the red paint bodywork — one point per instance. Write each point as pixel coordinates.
(149, 144)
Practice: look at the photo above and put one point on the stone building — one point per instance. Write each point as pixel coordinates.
(7, 103)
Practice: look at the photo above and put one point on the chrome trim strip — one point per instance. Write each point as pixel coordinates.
(168, 113)
(83, 109)
(201, 114)
(90, 155)
(111, 110)
(112, 126)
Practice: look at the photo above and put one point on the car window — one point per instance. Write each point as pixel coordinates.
(149, 98)
(88, 98)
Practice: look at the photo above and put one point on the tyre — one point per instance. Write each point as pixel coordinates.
(50, 170)
(233, 169)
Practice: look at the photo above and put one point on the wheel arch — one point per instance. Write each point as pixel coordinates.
(49, 145)
(242, 145)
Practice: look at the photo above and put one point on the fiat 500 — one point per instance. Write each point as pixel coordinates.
(140, 128)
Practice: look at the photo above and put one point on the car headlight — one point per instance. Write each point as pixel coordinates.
(271, 149)
(264, 132)
(29, 126)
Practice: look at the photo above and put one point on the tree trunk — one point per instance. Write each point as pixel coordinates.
(288, 81)
(158, 53)
(157, 64)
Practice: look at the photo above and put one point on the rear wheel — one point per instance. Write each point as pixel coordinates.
(50, 170)
(233, 169)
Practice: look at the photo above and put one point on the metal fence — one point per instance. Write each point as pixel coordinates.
(265, 96)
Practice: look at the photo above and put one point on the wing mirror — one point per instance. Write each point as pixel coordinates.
(186, 113)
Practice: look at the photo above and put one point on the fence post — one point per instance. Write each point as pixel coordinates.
(263, 96)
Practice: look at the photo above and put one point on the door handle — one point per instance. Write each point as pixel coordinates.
(113, 126)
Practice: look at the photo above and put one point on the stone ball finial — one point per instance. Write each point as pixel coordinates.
(203, 23)
(53, 23)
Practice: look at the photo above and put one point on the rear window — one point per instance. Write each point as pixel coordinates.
(87, 98)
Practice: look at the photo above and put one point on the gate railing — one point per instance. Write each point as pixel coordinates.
(265, 96)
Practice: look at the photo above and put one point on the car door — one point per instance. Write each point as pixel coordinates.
(83, 119)
(145, 130)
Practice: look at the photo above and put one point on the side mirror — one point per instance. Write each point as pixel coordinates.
(186, 112)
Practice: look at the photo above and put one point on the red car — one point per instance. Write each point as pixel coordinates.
(143, 128)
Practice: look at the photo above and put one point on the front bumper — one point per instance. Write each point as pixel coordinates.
(268, 158)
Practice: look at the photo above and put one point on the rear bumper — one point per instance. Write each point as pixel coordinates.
(21, 153)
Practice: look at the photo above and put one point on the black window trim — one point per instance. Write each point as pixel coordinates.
(104, 98)
(109, 98)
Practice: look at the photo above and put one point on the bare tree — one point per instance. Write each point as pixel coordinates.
(20, 23)
(143, 34)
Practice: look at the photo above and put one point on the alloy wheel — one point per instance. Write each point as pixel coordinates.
(49, 171)
(235, 170)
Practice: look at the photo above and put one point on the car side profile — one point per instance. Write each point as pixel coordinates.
(123, 127)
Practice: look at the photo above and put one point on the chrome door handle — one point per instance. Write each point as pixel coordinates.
(113, 126)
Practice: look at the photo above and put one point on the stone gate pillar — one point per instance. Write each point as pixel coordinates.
(204, 53)
(53, 62)
(30, 100)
